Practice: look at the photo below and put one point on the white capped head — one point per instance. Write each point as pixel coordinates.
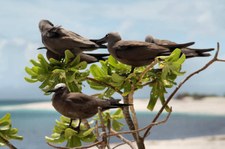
(59, 88)
(59, 85)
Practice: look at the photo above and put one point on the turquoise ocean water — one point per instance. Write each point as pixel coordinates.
(34, 125)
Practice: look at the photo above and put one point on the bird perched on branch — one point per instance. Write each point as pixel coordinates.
(57, 40)
(78, 105)
(189, 52)
(87, 57)
(138, 53)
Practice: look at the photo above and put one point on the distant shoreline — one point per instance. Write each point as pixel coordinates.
(206, 106)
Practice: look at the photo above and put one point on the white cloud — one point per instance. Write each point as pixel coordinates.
(31, 51)
(18, 41)
(3, 42)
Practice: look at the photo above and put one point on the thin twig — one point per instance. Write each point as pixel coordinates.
(133, 113)
(83, 147)
(105, 84)
(126, 113)
(104, 135)
(152, 124)
(214, 59)
(146, 127)
(122, 139)
(7, 143)
(147, 69)
(120, 144)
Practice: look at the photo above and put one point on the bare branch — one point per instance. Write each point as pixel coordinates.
(146, 127)
(104, 136)
(214, 59)
(83, 147)
(122, 138)
(7, 143)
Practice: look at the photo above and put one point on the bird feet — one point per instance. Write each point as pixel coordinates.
(77, 129)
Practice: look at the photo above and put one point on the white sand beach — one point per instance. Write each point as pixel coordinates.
(206, 106)
(208, 142)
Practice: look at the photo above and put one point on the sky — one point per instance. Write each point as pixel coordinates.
(202, 21)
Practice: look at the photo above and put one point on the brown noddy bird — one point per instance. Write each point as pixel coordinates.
(57, 39)
(88, 57)
(78, 105)
(189, 52)
(136, 53)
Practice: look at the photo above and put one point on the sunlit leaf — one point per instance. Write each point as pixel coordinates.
(117, 125)
(74, 142)
(69, 133)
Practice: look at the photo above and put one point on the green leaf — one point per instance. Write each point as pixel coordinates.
(6, 117)
(13, 131)
(5, 124)
(16, 137)
(109, 92)
(43, 62)
(112, 61)
(181, 59)
(96, 71)
(117, 125)
(89, 138)
(74, 142)
(162, 99)
(87, 132)
(157, 90)
(68, 56)
(118, 114)
(82, 65)
(30, 71)
(64, 119)
(35, 63)
(56, 140)
(95, 85)
(75, 61)
(30, 80)
(54, 61)
(69, 133)
(152, 101)
(117, 78)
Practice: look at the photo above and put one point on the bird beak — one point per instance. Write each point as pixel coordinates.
(102, 40)
(40, 48)
(50, 91)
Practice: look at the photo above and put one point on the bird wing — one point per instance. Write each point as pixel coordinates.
(136, 50)
(173, 45)
(79, 98)
(78, 40)
(164, 42)
(69, 38)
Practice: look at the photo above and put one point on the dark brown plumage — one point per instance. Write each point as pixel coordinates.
(57, 39)
(88, 57)
(138, 53)
(78, 105)
(189, 52)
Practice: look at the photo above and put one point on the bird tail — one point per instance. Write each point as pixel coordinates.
(176, 45)
(99, 56)
(114, 103)
(190, 52)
